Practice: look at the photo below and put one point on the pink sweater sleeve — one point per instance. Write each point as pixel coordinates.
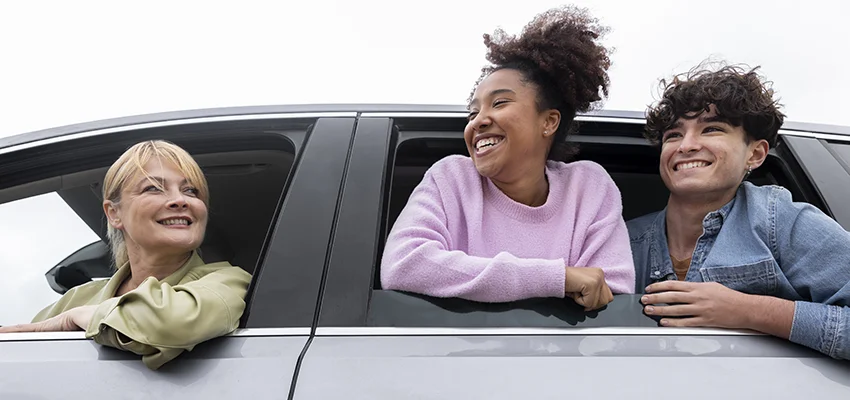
(417, 259)
(606, 240)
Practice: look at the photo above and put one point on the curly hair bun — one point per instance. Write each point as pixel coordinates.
(558, 48)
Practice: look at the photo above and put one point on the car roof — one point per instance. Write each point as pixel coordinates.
(319, 110)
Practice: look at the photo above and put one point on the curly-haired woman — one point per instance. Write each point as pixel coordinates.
(515, 220)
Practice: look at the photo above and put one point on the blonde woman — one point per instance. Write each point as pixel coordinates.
(163, 299)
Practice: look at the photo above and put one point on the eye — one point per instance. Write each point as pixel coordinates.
(472, 115)
(670, 135)
(713, 129)
(151, 188)
(499, 102)
(192, 191)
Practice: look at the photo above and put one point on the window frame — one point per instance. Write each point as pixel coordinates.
(78, 149)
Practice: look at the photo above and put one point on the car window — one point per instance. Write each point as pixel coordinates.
(631, 162)
(37, 233)
(632, 165)
(53, 229)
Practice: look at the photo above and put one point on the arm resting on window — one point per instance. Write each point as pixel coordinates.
(158, 321)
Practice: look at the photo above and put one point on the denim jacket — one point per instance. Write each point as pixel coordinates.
(763, 243)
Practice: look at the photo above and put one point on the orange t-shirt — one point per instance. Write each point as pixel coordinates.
(681, 267)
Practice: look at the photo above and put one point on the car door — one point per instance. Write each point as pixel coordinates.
(371, 343)
(274, 179)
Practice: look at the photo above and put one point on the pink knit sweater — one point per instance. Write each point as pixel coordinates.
(460, 236)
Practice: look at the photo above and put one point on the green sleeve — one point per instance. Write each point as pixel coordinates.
(159, 321)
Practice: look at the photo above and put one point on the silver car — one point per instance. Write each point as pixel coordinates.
(303, 197)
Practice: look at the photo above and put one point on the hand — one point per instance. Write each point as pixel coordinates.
(706, 304)
(72, 320)
(587, 287)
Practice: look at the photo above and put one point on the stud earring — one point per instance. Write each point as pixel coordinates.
(749, 170)
(545, 132)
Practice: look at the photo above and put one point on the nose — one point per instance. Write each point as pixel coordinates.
(690, 143)
(178, 200)
(481, 121)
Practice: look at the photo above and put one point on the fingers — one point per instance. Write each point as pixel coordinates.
(667, 286)
(17, 328)
(596, 299)
(683, 322)
(683, 310)
(667, 297)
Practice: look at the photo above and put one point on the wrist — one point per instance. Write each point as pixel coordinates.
(767, 314)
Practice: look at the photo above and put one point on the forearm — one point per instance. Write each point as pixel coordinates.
(770, 315)
(430, 270)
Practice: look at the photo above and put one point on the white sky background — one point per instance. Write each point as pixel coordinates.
(65, 62)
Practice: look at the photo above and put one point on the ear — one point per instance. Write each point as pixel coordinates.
(551, 121)
(113, 217)
(758, 153)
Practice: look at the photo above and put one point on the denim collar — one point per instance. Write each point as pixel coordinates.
(661, 266)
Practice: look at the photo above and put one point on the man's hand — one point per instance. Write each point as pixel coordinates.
(74, 319)
(706, 304)
(587, 287)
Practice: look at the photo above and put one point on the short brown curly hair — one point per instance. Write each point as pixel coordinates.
(558, 52)
(739, 94)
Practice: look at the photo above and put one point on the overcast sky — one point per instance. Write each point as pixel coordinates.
(65, 62)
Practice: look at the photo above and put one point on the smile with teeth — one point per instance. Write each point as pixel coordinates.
(175, 221)
(690, 165)
(488, 142)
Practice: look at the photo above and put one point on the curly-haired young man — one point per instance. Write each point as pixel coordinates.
(724, 252)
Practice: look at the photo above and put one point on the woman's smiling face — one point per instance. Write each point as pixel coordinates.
(507, 134)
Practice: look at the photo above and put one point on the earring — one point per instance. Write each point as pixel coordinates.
(545, 132)
(749, 170)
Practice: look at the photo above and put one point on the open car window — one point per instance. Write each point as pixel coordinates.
(633, 165)
(37, 233)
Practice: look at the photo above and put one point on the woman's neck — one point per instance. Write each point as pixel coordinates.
(531, 190)
(144, 265)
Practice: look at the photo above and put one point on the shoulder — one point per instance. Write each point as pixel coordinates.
(640, 228)
(587, 171)
(586, 184)
(772, 200)
(760, 193)
(453, 166)
(453, 173)
(222, 268)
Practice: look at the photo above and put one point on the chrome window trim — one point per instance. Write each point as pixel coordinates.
(600, 331)
(80, 335)
(262, 332)
(824, 136)
(172, 122)
(581, 118)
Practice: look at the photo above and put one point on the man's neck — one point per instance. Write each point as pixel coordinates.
(531, 190)
(144, 265)
(685, 216)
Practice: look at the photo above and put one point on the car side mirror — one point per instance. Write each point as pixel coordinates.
(91, 262)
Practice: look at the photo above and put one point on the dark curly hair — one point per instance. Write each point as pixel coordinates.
(558, 52)
(740, 95)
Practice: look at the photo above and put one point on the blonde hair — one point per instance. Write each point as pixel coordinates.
(132, 162)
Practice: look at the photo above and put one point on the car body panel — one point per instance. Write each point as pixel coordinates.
(572, 366)
(223, 368)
